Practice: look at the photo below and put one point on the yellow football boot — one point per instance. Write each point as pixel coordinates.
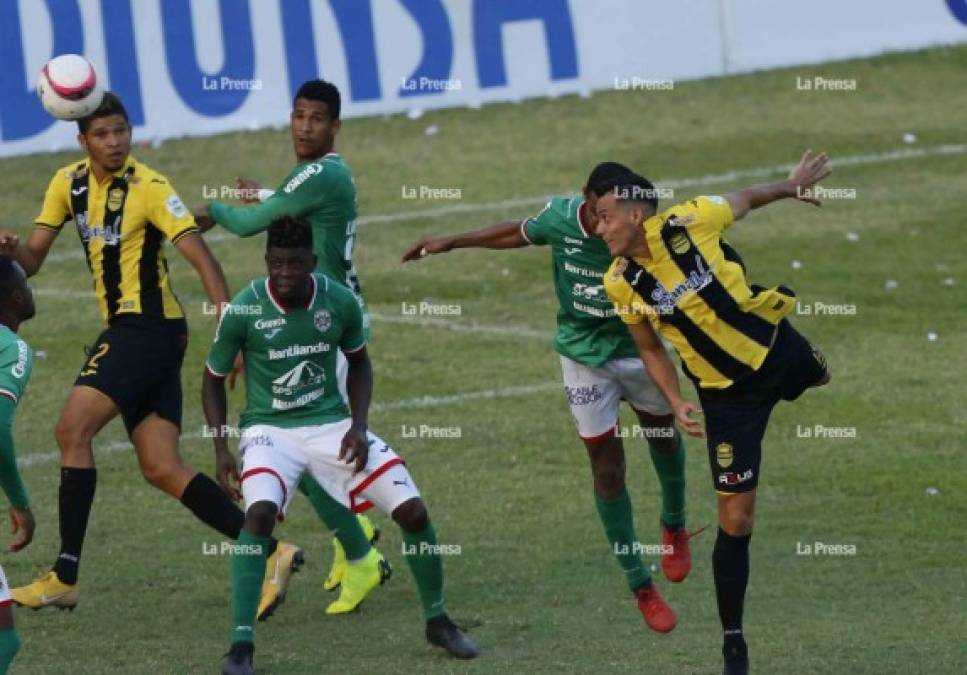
(359, 579)
(47, 591)
(338, 568)
(280, 566)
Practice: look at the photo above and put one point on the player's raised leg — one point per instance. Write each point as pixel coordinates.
(667, 450)
(85, 413)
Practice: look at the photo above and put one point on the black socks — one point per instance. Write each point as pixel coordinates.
(75, 496)
(730, 563)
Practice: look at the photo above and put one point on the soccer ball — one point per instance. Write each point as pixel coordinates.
(69, 87)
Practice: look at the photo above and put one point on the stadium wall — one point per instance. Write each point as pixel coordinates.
(198, 67)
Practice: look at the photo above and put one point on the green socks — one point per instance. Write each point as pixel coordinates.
(341, 521)
(423, 557)
(9, 645)
(671, 474)
(248, 570)
(619, 526)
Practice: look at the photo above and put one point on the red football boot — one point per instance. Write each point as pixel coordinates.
(676, 563)
(658, 615)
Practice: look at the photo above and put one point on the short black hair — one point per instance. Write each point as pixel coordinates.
(289, 232)
(635, 188)
(9, 277)
(110, 105)
(604, 176)
(323, 91)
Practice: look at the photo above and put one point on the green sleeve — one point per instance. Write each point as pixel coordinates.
(536, 229)
(353, 336)
(300, 195)
(229, 338)
(10, 479)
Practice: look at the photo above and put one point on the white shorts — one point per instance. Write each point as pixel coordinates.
(5, 598)
(274, 459)
(594, 394)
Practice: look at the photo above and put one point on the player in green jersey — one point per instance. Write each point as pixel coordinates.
(288, 328)
(16, 362)
(319, 188)
(601, 367)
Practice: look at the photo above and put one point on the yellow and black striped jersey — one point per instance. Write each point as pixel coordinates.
(694, 291)
(122, 222)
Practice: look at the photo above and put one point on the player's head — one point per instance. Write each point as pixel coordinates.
(602, 178)
(315, 119)
(622, 210)
(289, 256)
(16, 298)
(105, 134)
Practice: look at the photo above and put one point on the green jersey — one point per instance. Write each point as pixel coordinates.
(16, 364)
(323, 192)
(588, 329)
(290, 355)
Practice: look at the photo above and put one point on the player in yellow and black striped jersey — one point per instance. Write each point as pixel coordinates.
(123, 212)
(675, 274)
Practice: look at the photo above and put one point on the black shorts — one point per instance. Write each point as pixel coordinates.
(736, 417)
(136, 362)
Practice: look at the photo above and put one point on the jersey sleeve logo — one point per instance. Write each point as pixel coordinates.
(176, 207)
(19, 369)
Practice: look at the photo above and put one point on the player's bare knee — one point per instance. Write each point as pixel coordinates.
(72, 439)
(737, 517)
(159, 474)
(411, 515)
(260, 518)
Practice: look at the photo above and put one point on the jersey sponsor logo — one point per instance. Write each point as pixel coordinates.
(298, 350)
(322, 320)
(19, 369)
(583, 395)
(302, 177)
(262, 324)
(79, 191)
(306, 374)
(582, 271)
(272, 333)
(111, 234)
(176, 207)
(305, 399)
(588, 292)
(724, 455)
(697, 279)
(572, 240)
(601, 312)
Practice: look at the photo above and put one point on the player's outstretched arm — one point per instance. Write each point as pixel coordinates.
(662, 372)
(810, 170)
(215, 405)
(32, 254)
(359, 391)
(499, 236)
(21, 517)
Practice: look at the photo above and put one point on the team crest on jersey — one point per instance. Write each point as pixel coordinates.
(724, 455)
(322, 320)
(679, 243)
(115, 198)
(619, 269)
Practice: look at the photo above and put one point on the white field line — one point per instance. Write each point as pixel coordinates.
(114, 447)
(675, 183)
(446, 324)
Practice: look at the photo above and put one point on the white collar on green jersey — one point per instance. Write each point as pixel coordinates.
(278, 305)
(581, 225)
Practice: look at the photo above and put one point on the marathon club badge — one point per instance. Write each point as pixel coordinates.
(322, 320)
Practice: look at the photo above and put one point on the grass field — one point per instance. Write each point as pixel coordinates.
(535, 581)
